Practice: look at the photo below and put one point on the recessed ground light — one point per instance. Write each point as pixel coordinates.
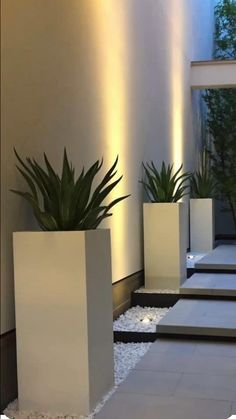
(146, 319)
(190, 257)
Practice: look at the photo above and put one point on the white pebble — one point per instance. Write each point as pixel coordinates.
(133, 320)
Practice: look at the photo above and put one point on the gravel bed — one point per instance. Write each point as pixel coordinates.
(126, 356)
(140, 319)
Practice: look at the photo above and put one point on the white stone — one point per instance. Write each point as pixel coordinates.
(136, 319)
(202, 225)
(63, 295)
(165, 244)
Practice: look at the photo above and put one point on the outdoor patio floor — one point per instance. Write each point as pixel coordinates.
(178, 379)
(210, 284)
(200, 317)
(222, 257)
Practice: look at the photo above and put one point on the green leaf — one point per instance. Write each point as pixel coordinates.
(164, 185)
(67, 204)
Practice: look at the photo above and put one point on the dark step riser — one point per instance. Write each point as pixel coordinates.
(216, 271)
(155, 300)
(195, 337)
(134, 337)
(139, 337)
(169, 300)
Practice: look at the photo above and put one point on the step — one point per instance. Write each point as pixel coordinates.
(201, 318)
(222, 258)
(212, 284)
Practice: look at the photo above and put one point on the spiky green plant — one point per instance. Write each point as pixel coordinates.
(165, 185)
(202, 182)
(67, 203)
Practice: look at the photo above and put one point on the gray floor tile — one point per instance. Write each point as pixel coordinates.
(223, 257)
(210, 284)
(216, 365)
(171, 346)
(182, 347)
(201, 280)
(202, 317)
(195, 363)
(225, 349)
(178, 380)
(217, 387)
(233, 409)
(164, 362)
(227, 281)
(160, 346)
(135, 406)
(150, 382)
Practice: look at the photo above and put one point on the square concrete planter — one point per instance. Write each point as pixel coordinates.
(202, 223)
(63, 296)
(165, 232)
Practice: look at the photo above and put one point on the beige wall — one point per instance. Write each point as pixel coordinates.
(213, 74)
(103, 78)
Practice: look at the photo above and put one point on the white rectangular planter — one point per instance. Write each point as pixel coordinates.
(202, 225)
(63, 296)
(165, 232)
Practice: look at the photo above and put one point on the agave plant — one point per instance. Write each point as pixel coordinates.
(66, 202)
(202, 181)
(165, 185)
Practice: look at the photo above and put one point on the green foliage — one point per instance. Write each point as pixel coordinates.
(66, 203)
(225, 30)
(202, 182)
(221, 103)
(164, 185)
(221, 123)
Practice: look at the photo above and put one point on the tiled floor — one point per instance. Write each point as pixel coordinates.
(222, 257)
(200, 317)
(178, 380)
(210, 284)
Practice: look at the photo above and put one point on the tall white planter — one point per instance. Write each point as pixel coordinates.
(63, 296)
(165, 232)
(202, 229)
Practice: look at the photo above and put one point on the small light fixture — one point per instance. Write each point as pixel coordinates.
(146, 319)
(190, 257)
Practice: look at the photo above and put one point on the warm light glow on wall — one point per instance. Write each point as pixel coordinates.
(177, 85)
(111, 60)
(177, 121)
